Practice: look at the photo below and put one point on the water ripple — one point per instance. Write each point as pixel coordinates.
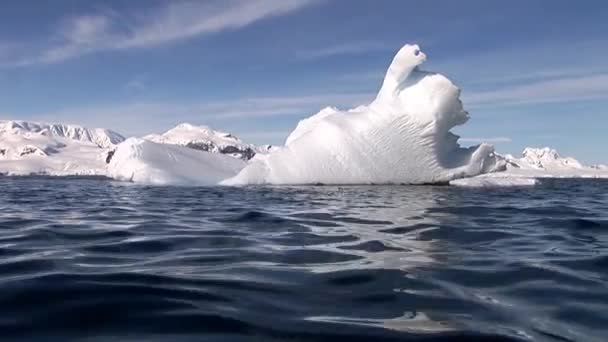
(90, 259)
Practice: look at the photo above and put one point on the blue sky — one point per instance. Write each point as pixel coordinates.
(533, 73)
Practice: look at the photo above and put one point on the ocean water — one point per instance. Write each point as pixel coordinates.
(94, 260)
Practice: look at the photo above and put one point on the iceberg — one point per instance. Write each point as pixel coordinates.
(402, 137)
(143, 161)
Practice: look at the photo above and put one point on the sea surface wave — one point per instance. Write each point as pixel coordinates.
(93, 260)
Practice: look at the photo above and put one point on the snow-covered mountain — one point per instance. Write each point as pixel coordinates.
(103, 138)
(185, 154)
(57, 149)
(543, 159)
(206, 139)
(533, 164)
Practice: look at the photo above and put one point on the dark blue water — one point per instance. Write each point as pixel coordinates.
(95, 260)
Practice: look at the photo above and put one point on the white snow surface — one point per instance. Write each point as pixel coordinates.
(143, 161)
(53, 149)
(207, 139)
(403, 136)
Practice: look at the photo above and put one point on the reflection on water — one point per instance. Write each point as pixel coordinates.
(302, 263)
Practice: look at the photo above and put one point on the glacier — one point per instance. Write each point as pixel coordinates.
(402, 137)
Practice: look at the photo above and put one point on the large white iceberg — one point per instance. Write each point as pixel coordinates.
(143, 161)
(403, 136)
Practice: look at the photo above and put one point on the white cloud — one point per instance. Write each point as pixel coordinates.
(146, 117)
(540, 75)
(346, 49)
(492, 140)
(551, 91)
(136, 85)
(525, 60)
(5, 48)
(176, 20)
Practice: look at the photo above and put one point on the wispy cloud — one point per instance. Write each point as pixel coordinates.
(272, 106)
(354, 48)
(145, 117)
(176, 20)
(492, 140)
(4, 49)
(135, 85)
(540, 75)
(569, 89)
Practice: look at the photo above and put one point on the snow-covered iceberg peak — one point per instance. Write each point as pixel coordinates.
(403, 136)
(405, 62)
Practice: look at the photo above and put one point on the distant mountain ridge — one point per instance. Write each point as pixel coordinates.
(104, 138)
(546, 159)
(207, 139)
(60, 149)
(54, 149)
(534, 164)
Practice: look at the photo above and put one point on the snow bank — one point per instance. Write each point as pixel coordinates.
(144, 161)
(403, 136)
